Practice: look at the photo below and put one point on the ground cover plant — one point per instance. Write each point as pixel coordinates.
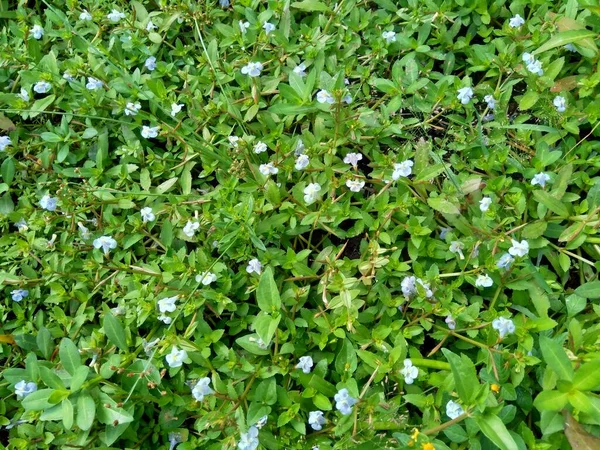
(299, 224)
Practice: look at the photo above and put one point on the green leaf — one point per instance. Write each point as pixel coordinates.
(86, 411)
(50, 379)
(41, 105)
(465, 376)
(564, 38)
(551, 203)
(496, 431)
(265, 326)
(79, 377)
(8, 170)
(551, 400)
(44, 342)
(591, 289)
(442, 205)
(114, 331)
(585, 402)
(556, 358)
(528, 100)
(67, 413)
(267, 294)
(346, 361)
(38, 400)
(310, 6)
(69, 355)
(587, 377)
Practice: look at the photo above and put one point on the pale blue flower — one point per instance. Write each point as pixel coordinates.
(268, 27)
(453, 409)
(147, 214)
(316, 420)
(254, 266)
(67, 76)
(174, 439)
(571, 48)
(41, 87)
(465, 95)
(252, 69)
(302, 162)
(259, 147)
(150, 63)
(450, 322)
(206, 278)
(48, 203)
(243, 26)
(516, 21)
(560, 103)
(409, 372)
(484, 204)
(353, 159)
(503, 326)
(190, 228)
(85, 16)
(23, 95)
(262, 422)
(311, 192)
(19, 294)
(176, 357)
(37, 31)
(224, 3)
(115, 16)
(491, 101)
(176, 108)
(389, 36)
(505, 261)
(233, 140)
(343, 402)
(540, 179)
(268, 169)
(444, 232)
(167, 304)
(325, 97)
(519, 248)
(150, 26)
(347, 99)
(249, 440)
(305, 363)
(201, 389)
(131, 109)
(149, 132)
(4, 142)
(403, 169)
(355, 185)
(107, 243)
(23, 389)
(21, 225)
(300, 148)
(484, 281)
(457, 247)
(94, 84)
(300, 69)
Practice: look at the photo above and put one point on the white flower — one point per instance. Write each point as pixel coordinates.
(83, 231)
(503, 326)
(37, 31)
(94, 84)
(541, 179)
(484, 281)
(343, 402)
(311, 192)
(325, 97)
(450, 322)
(533, 65)
(115, 16)
(305, 363)
(21, 225)
(254, 266)
(201, 389)
(355, 185)
(150, 63)
(249, 440)
(519, 248)
(453, 409)
(165, 319)
(252, 69)
(410, 372)
(4, 142)
(67, 76)
(491, 101)
(41, 87)
(107, 243)
(206, 278)
(484, 204)
(316, 420)
(176, 108)
(402, 169)
(353, 158)
(505, 261)
(131, 109)
(268, 169)
(149, 132)
(389, 36)
(85, 15)
(516, 21)
(48, 203)
(148, 346)
(23, 389)
(233, 140)
(527, 58)
(300, 148)
(457, 247)
(302, 162)
(23, 95)
(167, 304)
(151, 26)
(190, 228)
(19, 294)
(560, 103)
(244, 26)
(465, 95)
(147, 214)
(268, 27)
(300, 69)
(259, 147)
(409, 286)
(176, 357)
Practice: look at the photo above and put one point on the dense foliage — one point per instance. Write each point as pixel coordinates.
(299, 225)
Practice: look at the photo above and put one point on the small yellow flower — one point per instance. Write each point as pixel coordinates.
(495, 387)
(415, 434)
(428, 446)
